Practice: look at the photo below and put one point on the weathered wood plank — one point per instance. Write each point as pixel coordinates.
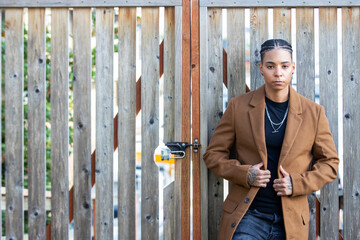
(14, 112)
(236, 62)
(178, 119)
(282, 23)
(169, 224)
(82, 123)
(126, 122)
(88, 3)
(328, 73)
(36, 120)
(104, 122)
(276, 3)
(305, 52)
(149, 122)
(59, 124)
(1, 131)
(351, 89)
(258, 35)
(203, 118)
(214, 102)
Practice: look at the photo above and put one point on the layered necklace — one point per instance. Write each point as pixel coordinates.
(276, 126)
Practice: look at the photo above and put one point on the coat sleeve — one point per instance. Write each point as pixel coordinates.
(217, 154)
(325, 158)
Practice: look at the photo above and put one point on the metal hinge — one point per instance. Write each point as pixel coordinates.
(177, 149)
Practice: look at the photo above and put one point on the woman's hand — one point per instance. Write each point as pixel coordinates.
(283, 186)
(257, 177)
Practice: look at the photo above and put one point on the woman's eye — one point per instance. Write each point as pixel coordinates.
(269, 67)
(285, 66)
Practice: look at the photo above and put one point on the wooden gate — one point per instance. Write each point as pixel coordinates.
(225, 60)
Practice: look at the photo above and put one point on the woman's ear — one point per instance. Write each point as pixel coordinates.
(260, 68)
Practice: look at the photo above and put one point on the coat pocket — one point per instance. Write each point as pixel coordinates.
(229, 205)
(305, 218)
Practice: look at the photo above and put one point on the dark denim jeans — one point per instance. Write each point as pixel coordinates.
(256, 225)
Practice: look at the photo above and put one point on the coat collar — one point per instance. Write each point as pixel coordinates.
(257, 118)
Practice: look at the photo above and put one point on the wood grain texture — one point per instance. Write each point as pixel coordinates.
(258, 35)
(214, 111)
(328, 73)
(88, 3)
(186, 119)
(14, 112)
(126, 122)
(104, 122)
(204, 69)
(236, 62)
(282, 23)
(276, 3)
(169, 224)
(149, 122)
(59, 124)
(305, 52)
(1, 127)
(36, 121)
(82, 123)
(178, 119)
(351, 120)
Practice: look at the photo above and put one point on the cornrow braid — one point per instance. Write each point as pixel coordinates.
(275, 43)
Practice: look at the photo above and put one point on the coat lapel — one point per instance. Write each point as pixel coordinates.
(257, 118)
(293, 124)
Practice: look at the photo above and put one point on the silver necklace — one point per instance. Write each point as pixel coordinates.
(276, 126)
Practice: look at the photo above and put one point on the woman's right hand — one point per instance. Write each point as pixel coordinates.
(257, 177)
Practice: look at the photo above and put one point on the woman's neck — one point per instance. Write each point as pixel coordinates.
(277, 96)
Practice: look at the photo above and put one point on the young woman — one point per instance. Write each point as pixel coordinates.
(276, 133)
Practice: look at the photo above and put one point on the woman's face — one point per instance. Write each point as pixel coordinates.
(277, 69)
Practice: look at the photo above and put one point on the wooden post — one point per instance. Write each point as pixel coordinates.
(14, 135)
(258, 34)
(126, 123)
(214, 107)
(328, 71)
(36, 120)
(82, 123)
(149, 122)
(282, 23)
(59, 123)
(104, 123)
(351, 120)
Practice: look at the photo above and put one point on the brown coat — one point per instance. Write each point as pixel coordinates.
(307, 137)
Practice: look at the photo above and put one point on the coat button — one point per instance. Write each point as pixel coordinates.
(233, 224)
(247, 200)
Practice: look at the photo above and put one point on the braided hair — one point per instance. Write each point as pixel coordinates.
(275, 43)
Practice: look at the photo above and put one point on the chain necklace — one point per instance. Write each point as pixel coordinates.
(276, 126)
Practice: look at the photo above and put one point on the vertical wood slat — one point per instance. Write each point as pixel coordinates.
(14, 136)
(104, 123)
(82, 123)
(204, 69)
(36, 121)
(195, 91)
(351, 89)
(236, 61)
(1, 127)
(126, 123)
(169, 113)
(59, 123)
(150, 122)
(169, 223)
(258, 34)
(282, 23)
(214, 111)
(186, 118)
(305, 52)
(178, 119)
(305, 83)
(328, 72)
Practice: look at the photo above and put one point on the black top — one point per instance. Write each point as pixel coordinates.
(266, 200)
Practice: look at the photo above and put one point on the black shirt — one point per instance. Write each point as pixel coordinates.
(266, 199)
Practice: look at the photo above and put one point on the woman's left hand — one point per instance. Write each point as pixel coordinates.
(283, 186)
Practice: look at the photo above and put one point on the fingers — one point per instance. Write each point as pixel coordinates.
(283, 186)
(282, 170)
(258, 166)
(258, 177)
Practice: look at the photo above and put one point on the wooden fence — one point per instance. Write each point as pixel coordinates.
(198, 51)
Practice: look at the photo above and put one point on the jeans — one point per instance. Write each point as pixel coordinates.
(256, 225)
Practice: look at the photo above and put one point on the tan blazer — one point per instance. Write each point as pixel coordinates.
(307, 137)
